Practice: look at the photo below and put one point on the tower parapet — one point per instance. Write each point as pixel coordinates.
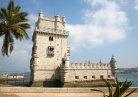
(89, 66)
(43, 23)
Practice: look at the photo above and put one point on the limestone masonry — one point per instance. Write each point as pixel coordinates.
(50, 55)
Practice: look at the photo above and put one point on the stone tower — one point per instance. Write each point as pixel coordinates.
(49, 48)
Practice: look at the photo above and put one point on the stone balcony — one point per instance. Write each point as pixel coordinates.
(51, 53)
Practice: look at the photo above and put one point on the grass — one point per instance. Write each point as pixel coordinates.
(58, 84)
(76, 84)
(87, 84)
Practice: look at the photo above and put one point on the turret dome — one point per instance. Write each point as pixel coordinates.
(112, 59)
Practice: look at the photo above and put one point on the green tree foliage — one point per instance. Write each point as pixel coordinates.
(119, 91)
(13, 24)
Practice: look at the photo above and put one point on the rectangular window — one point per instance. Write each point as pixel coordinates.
(68, 51)
(76, 77)
(93, 76)
(101, 76)
(85, 77)
(108, 76)
(50, 38)
(63, 62)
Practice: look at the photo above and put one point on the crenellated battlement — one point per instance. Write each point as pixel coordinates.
(43, 30)
(50, 25)
(56, 18)
(45, 18)
(89, 66)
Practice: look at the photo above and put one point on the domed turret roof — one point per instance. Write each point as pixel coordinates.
(113, 59)
(63, 16)
(41, 12)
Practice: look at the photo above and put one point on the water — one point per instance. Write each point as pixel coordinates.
(130, 77)
(25, 81)
(121, 77)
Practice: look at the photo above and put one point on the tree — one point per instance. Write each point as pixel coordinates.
(120, 89)
(13, 24)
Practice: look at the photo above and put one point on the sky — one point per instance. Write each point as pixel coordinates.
(97, 29)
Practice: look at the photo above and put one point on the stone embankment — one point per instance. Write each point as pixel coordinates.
(52, 90)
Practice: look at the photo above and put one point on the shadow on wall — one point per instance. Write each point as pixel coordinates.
(56, 83)
(56, 77)
(53, 81)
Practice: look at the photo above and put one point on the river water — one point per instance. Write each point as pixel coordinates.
(130, 77)
(121, 77)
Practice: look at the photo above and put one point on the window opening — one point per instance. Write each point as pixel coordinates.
(93, 76)
(76, 77)
(68, 51)
(85, 77)
(101, 76)
(51, 51)
(50, 38)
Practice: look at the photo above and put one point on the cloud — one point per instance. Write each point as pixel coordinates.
(106, 25)
(19, 58)
(136, 6)
(21, 50)
(123, 2)
(32, 19)
(95, 2)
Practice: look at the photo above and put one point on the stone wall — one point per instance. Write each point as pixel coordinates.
(53, 90)
(45, 63)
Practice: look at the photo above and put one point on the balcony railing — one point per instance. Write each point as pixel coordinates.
(50, 52)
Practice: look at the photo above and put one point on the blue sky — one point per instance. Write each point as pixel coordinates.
(98, 29)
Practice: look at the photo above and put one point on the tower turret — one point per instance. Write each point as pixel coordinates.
(63, 20)
(40, 14)
(113, 63)
(65, 61)
(57, 18)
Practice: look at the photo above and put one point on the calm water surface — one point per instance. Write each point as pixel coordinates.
(121, 78)
(130, 77)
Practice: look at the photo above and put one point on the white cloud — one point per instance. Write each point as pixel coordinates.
(21, 49)
(123, 2)
(19, 58)
(136, 6)
(32, 19)
(106, 25)
(95, 2)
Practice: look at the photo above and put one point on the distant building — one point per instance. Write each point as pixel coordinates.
(50, 55)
